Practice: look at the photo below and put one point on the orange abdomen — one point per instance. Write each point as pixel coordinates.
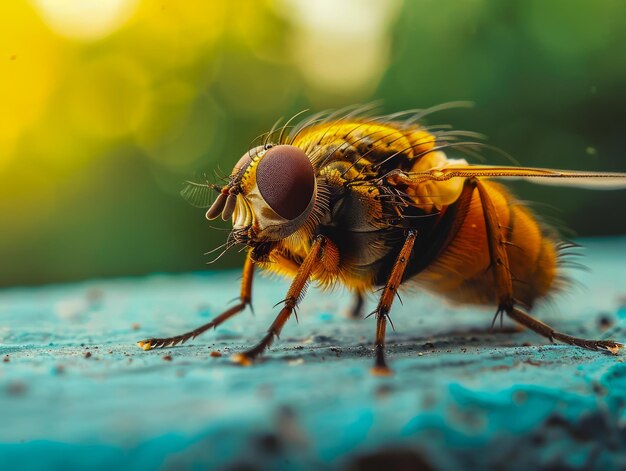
(462, 271)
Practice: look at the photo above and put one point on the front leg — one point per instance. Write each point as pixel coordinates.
(311, 262)
(245, 299)
(384, 305)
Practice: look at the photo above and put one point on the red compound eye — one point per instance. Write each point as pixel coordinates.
(286, 180)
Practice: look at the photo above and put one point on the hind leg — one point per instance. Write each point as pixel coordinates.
(504, 285)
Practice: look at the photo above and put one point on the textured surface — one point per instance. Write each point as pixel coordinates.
(75, 391)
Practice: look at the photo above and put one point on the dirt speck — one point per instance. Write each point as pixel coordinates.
(215, 354)
(520, 397)
(6, 359)
(605, 321)
(16, 388)
(87, 354)
(269, 443)
(94, 295)
(167, 357)
(598, 389)
(383, 391)
(135, 326)
(390, 458)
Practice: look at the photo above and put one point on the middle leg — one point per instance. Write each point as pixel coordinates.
(384, 305)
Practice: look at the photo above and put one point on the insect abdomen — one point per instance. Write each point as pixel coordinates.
(461, 273)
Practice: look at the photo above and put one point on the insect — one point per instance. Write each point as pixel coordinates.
(375, 202)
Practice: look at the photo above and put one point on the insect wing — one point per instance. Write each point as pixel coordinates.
(543, 176)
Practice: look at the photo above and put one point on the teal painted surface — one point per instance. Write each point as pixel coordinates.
(462, 396)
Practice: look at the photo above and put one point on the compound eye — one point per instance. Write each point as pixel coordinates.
(286, 180)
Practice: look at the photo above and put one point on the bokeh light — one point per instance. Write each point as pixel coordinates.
(342, 54)
(84, 19)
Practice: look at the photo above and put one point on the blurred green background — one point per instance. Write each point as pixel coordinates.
(107, 106)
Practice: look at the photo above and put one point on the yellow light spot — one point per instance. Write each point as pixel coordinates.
(85, 19)
(335, 52)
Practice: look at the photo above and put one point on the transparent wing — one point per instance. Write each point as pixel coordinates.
(543, 176)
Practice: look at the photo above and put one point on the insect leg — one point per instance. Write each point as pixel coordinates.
(296, 290)
(356, 311)
(547, 331)
(504, 286)
(384, 305)
(245, 299)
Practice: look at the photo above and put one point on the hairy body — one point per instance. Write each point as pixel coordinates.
(450, 257)
(376, 202)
